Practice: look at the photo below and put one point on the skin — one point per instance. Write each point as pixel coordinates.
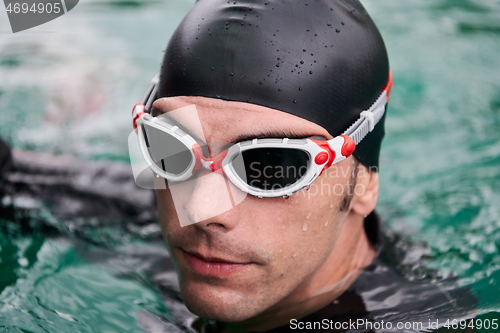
(301, 253)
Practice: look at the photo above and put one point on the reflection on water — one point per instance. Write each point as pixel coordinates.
(72, 260)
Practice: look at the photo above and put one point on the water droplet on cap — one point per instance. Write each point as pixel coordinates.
(304, 227)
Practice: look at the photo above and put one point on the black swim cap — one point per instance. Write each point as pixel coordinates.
(321, 60)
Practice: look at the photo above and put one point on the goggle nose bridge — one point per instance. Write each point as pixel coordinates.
(214, 164)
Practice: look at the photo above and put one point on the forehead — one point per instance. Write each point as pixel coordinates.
(228, 121)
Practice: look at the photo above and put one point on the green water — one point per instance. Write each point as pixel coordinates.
(67, 88)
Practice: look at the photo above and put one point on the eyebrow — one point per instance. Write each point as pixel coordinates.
(271, 135)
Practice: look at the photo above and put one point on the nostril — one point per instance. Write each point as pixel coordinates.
(215, 225)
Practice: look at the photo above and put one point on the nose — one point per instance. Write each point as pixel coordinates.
(212, 199)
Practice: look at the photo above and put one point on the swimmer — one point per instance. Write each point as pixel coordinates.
(280, 70)
(290, 261)
(274, 86)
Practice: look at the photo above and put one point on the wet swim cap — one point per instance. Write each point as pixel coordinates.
(321, 60)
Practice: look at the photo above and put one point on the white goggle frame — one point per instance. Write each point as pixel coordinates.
(322, 154)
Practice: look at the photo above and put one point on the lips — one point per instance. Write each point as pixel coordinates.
(211, 265)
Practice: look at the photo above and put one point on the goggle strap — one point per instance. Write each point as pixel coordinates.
(367, 120)
(150, 96)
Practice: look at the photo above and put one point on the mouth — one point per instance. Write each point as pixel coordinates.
(212, 266)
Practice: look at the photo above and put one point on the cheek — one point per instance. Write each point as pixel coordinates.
(166, 213)
(296, 229)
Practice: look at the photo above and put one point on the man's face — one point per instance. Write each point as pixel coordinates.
(264, 252)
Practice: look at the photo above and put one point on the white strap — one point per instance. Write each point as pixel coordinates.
(371, 120)
(156, 79)
(367, 119)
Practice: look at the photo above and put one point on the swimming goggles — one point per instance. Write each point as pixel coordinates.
(261, 167)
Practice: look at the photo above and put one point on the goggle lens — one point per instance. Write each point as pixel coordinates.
(272, 168)
(166, 151)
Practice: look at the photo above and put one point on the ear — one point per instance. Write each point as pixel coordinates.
(366, 191)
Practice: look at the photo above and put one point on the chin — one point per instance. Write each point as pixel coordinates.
(215, 303)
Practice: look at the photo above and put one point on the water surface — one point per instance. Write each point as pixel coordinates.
(67, 88)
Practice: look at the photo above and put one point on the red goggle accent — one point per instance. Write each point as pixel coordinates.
(348, 147)
(327, 156)
(215, 164)
(388, 87)
(321, 158)
(136, 115)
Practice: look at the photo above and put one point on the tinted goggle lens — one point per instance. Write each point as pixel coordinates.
(166, 151)
(272, 168)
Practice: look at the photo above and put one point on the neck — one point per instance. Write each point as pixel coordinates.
(351, 253)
